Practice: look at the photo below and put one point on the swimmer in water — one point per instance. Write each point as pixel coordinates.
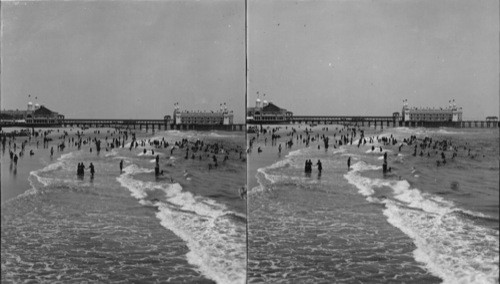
(92, 171)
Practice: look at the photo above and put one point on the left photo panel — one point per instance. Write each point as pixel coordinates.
(123, 141)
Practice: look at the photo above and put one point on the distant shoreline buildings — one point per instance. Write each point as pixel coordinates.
(34, 114)
(220, 117)
(267, 112)
(450, 113)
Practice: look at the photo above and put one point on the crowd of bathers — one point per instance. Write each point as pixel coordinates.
(443, 149)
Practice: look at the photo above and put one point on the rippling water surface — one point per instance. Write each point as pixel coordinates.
(420, 223)
(187, 226)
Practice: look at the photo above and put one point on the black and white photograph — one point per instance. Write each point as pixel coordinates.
(123, 142)
(250, 141)
(374, 144)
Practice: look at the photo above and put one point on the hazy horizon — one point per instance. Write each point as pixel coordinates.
(136, 59)
(365, 57)
(123, 59)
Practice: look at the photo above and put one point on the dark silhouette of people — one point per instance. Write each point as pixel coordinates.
(157, 169)
(121, 166)
(308, 167)
(349, 163)
(385, 169)
(320, 167)
(92, 170)
(80, 170)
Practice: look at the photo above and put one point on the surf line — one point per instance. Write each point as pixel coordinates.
(444, 242)
(200, 222)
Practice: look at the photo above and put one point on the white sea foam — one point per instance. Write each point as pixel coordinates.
(294, 153)
(377, 150)
(420, 131)
(340, 150)
(216, 242)
(66, 156)
(60, 164)
(447, 132)
(147, 154)
(137, 188)
(112, 153)
(219, 135)
(451, 247)
(256, 189)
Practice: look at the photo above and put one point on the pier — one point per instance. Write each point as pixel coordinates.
(136, 124)
(389, 121)
(153, 124)
(164, 124)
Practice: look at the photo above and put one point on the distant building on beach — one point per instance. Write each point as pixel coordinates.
(34, 114)
(450, 113)
(267, 112)
(220, 117)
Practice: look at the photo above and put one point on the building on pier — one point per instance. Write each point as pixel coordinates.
(220, 117)
(34, 114)
(450, 113)
(267, 112)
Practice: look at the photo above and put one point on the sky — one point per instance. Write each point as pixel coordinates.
(123, 59)
(363, 57)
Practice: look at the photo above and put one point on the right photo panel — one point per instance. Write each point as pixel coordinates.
(373, 141)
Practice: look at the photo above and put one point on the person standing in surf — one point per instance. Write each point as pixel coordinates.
(320, 167)
(92, 170)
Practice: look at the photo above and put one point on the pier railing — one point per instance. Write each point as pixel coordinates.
(163, 124)
(140, 124)
(381, 121)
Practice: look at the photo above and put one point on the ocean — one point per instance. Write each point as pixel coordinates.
(188, 225)
(419, 223)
